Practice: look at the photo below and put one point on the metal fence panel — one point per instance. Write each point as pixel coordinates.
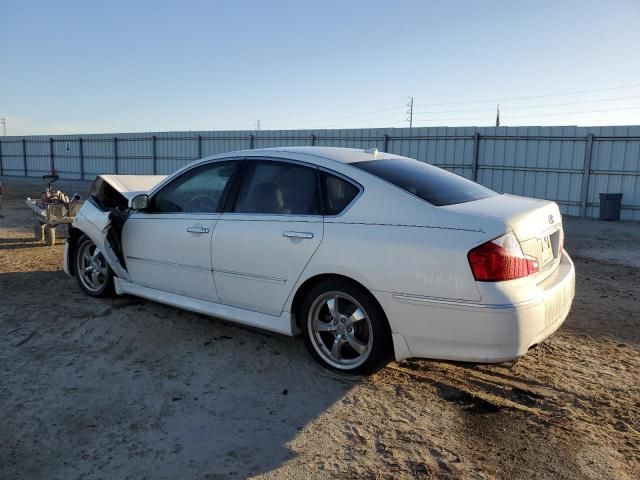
(570, 165)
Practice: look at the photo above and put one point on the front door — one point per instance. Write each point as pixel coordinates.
(274, 226)
(168, 246)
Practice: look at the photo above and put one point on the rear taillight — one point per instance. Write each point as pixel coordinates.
(501, 259)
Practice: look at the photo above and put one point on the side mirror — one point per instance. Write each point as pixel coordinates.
(139, 202)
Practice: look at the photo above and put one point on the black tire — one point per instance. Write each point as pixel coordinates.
(104, 284)
(38, 231)
(49, 235)
(373, 328)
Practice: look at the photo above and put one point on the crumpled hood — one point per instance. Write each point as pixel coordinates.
(131, 185)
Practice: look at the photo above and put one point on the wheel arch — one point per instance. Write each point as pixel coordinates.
(310, 282)
(74, 235)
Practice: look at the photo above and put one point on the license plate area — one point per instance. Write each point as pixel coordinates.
(546, 250)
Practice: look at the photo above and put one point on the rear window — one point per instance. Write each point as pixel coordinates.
(432, 184)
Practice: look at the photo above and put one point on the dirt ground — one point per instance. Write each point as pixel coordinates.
(127, 388)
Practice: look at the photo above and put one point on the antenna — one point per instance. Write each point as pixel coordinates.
(257, 124)
(3, 120)
(410, 112)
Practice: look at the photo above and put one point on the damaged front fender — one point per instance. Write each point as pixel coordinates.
(102, 217)
(97, 225)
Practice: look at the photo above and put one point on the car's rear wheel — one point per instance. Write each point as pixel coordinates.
(344, 328)
(91, 268)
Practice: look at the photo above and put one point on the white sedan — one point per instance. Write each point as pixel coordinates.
(361, 252)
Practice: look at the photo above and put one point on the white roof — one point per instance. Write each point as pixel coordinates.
(339, 154)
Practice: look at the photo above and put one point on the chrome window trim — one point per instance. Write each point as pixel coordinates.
(304, 217)
(177, 174)
(280, 160)
(349, 180)
(320, 168)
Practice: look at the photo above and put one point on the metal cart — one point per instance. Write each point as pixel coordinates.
(50, 211)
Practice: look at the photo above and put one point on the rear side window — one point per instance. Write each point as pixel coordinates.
(338, 193)
(432, 184)
(279, 188)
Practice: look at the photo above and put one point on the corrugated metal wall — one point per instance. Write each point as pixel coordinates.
(570, 165)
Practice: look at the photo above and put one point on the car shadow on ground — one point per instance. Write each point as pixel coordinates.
(126, 385)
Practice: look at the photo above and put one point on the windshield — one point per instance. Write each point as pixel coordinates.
(432, 184)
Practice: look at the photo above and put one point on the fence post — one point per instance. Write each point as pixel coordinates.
(115, 153)
(52, 164)
(386, 143)
(251, 141)
(1, 166)
(154, 155)
(476, 151)
(24, 156)
(81, 155)
(199, 146)
(586, 175)
(313, 139)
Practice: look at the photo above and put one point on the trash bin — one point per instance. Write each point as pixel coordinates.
(610, 206)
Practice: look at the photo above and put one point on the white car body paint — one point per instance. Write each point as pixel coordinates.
(411, 255)
(255, 265)
(132, 185)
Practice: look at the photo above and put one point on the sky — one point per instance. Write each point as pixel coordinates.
(135, 66)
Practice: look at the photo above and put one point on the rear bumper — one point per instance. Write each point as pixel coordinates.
(451, 330)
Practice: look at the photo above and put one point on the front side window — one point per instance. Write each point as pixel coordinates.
(197, 191)
(278, 188)
(435, 185)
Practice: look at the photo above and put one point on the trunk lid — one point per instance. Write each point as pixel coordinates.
(536, 223)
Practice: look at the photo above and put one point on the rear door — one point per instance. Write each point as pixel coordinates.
(168, 246)
(273, 227)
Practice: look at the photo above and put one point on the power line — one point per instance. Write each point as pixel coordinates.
(340, 117)
(366, 120)
(494, 100)
(521, 107)
(328, 122)
(635, 107)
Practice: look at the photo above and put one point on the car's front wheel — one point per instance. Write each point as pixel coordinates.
(344, 328)
(91, 268)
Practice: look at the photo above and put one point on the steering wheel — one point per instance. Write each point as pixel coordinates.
(202, 202)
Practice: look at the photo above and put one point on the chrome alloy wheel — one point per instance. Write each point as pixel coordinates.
(340, 330)
(91, 267)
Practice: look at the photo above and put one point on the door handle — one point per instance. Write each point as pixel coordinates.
(290, 234)
(197, 230)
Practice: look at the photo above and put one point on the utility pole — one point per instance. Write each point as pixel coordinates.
(4, 126)
(410, 112)
(257, 124)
